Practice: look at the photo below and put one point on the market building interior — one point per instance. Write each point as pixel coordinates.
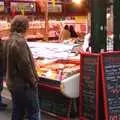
(74, 66)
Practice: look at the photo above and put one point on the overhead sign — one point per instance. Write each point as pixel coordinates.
(56, 1)
(54, 9)
(27, 6)
(1, 6)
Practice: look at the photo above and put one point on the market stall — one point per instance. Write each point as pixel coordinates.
(59, 74)
(37, 29)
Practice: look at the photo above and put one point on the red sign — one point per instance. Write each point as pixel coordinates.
(83, 28)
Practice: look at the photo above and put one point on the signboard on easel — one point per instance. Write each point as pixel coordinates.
(89, 86)
(111, 84)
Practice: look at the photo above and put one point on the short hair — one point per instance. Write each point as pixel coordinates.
(66, 27)
(19, 24)
(71, 28)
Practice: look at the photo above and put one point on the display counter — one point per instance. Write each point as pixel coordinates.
(57, 64)
(58, 70)
(62, 73)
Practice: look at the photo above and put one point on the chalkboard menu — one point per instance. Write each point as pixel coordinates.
(89, 87)
(111, 84)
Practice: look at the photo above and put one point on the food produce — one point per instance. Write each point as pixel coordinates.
(57, 70)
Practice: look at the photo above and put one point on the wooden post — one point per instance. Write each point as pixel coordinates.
(46, 21)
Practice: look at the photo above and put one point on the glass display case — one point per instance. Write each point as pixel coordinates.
(57, 66)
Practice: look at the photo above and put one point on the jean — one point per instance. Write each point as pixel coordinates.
(25, 100)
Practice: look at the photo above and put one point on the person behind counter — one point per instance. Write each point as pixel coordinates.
(22, 79)
(65, 33)
(73, 34)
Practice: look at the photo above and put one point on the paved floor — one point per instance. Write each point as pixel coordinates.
(5, 115)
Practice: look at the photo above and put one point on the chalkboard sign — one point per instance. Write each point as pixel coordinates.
(111, 84)
(89, 88)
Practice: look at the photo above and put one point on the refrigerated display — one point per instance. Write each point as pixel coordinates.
(58, 70)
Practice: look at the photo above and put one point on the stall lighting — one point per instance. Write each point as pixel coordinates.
(32, 6)
(76, 1)
(108, 15)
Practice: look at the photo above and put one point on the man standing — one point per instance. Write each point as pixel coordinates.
(22, 79)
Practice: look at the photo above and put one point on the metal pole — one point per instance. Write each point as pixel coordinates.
(98, 25)
(116, 17)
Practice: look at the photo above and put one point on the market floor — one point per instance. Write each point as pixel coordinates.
(5, 115)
